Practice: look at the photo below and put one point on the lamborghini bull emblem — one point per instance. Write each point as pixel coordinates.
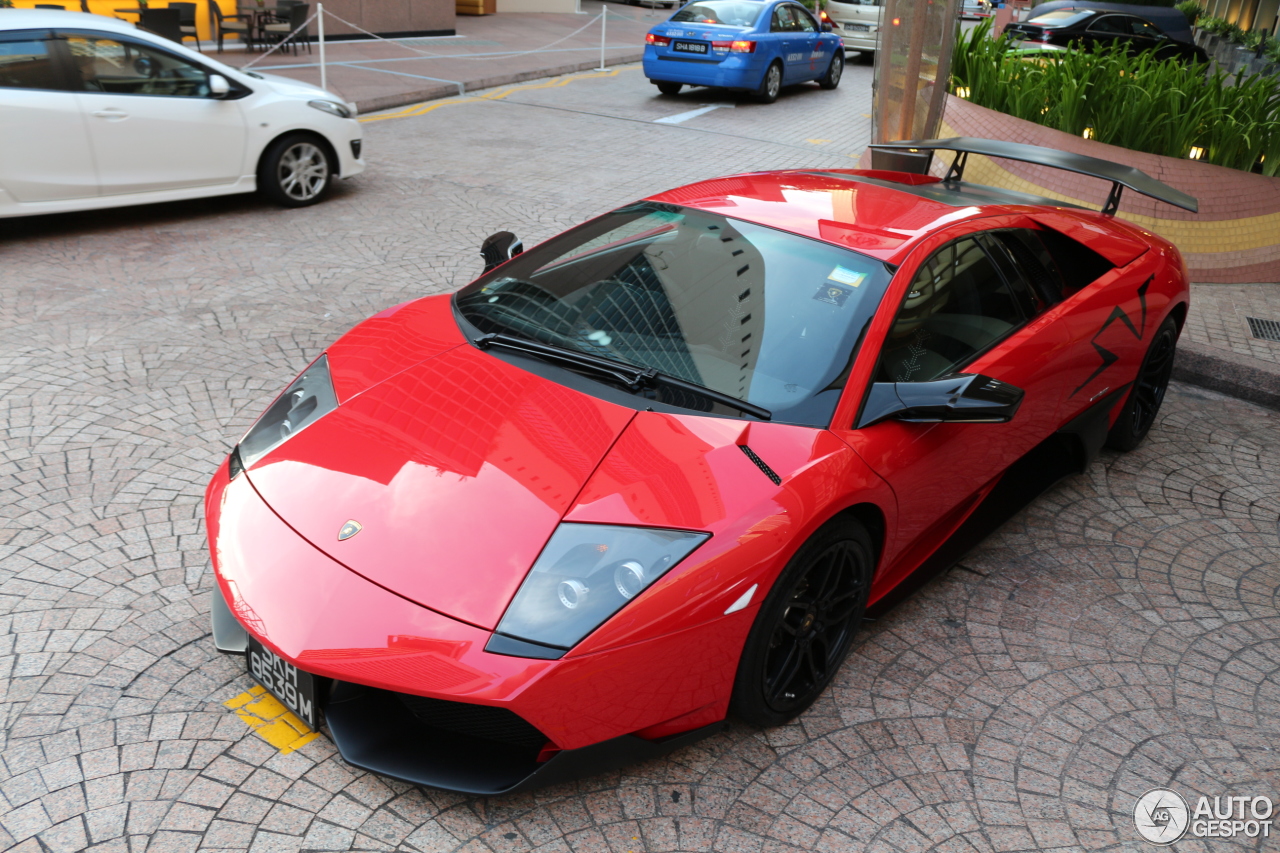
(351, 528)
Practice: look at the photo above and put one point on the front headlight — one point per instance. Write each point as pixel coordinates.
(331, 107)
(587, 573)
(304, 402)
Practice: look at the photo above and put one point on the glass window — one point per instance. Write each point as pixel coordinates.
(783, 20)
(956, 307)
(1142, 28)
(803, 22)
(1058, 18)
(27, 65)
(1034, 265)
(1110, 25)
(129, 68)
(734, 13)
(765, 316)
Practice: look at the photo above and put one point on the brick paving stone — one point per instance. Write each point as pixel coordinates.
(1120, 633)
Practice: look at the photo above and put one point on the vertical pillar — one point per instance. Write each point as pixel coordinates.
(913, 67)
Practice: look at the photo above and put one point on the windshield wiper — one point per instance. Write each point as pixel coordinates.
(630, 376)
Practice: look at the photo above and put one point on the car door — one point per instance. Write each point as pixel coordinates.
(44, 144)
(1109, 30)
(153, 123)
(781, 32)
(961, 313)
(803, 60)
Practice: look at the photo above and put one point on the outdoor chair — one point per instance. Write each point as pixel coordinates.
(279, 30)
(230, 25)
(187, 21)
(163, 22)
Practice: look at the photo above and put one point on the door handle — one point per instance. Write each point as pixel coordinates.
(111, 114)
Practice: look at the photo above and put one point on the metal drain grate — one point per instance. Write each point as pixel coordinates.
(1265, 330)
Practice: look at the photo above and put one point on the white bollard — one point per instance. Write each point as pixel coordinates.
(324, 78)
(604, 21)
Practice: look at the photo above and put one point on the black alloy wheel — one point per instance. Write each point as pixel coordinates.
(1140, 410)
(771, 85)
(834, 71)
(806, 625)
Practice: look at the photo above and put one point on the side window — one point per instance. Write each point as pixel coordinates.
(804, 23)
(1110, 25)
(126, 67)
(1078, 265)
(958, 305)
(782, 20)
(27, 65)
(1032, 273)
(1142, 28)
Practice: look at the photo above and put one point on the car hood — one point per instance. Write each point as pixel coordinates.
(457, 469)
(295, 88)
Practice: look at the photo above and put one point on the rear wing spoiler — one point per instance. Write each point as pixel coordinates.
(1119, 176)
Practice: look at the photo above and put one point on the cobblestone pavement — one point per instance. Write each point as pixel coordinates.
(1121, 633)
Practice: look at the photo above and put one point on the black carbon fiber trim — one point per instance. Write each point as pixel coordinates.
(768, 472)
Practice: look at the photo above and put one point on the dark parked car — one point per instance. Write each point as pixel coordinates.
(1089, 28)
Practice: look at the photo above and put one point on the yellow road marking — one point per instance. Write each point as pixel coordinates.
(275, 723)
(817, 141)
(496, 95)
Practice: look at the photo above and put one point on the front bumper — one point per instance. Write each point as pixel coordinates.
(375, 652)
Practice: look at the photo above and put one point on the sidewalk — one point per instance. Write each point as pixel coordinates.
(492, 50)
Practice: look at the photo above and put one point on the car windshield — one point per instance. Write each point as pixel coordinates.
(762, 315)
(733, 13)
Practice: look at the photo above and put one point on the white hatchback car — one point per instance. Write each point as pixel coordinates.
(96, 113)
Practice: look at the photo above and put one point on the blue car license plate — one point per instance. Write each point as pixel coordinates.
(688, 47)
(295, 689)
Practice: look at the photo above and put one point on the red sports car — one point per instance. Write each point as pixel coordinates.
(653, 471)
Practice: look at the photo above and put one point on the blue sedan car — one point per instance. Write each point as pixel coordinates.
(742, 44)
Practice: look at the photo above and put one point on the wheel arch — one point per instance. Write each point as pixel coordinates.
(872, 517)
(320, 138)
(1179, 314)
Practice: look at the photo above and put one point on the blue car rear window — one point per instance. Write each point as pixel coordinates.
(733, 13)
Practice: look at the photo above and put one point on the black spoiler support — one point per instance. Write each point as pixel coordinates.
(1119, 176)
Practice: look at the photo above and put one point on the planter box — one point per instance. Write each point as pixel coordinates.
(1235, 238)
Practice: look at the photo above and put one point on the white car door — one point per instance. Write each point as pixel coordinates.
(153, 122)
(44, 145)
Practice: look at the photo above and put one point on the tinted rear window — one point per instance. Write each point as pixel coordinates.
(734, 13)
(1059, 18)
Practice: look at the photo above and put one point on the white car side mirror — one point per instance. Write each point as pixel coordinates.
(218, 86)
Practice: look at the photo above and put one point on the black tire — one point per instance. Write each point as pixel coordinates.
(834, 71)
(296, 171)
(669, 88)
(770, 84)
(806, 625)
(1147, 393)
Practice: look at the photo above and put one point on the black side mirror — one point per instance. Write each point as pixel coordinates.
(962, 398)
(828, 27)
(499, 248)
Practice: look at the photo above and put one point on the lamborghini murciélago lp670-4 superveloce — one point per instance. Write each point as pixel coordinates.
(650, 474)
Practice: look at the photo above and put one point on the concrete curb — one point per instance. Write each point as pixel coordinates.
(1228, 373)
(401, 99)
